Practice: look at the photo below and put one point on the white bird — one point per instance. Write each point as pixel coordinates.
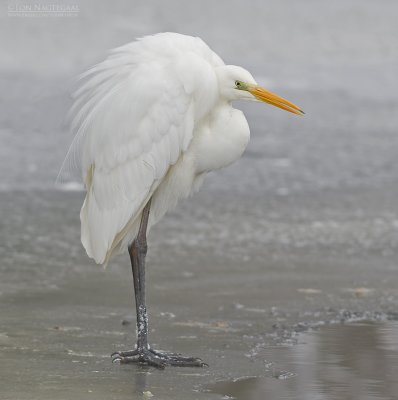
(152, 120)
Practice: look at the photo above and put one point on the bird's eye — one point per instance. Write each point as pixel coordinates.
(237, 83)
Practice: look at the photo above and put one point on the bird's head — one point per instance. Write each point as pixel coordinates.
(236, 83)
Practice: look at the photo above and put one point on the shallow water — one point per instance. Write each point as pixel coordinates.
(343, 362)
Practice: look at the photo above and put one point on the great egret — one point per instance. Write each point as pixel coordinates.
(152, 120)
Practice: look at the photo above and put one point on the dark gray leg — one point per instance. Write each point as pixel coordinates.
(143, 353)
(137, 251)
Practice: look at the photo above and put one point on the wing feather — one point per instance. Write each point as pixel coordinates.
(134, 116)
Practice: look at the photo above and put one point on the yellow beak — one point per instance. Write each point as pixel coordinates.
(271, 98)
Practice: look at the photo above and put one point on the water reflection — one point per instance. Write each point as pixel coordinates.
(344, 362)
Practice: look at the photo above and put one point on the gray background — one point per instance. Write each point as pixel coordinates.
(337, 60)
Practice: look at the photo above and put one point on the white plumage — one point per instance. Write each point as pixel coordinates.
(152, 120)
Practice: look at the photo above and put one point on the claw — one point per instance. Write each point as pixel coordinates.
(155, 358)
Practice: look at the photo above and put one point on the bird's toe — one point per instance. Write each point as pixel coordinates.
(155, 358)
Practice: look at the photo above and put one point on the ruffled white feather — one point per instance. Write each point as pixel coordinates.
(135, 116)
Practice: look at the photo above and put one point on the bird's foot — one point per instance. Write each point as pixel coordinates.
(155, 358)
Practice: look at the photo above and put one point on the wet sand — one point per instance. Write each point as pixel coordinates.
(246, 300)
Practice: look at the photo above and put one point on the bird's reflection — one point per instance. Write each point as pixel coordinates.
(140, 382)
